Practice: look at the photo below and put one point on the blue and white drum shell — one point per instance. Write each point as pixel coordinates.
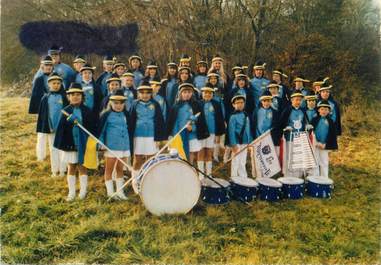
(269, 189)
(213, 193)
(319, 187)
(292, 188)
(243, 189)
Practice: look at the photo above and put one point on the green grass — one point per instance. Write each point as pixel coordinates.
(39, 226)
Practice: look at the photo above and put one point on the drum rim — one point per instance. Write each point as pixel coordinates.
(299, 180)
(278, 184)
(324, 181)
(255, 183)
(159, 162)
(217, 186)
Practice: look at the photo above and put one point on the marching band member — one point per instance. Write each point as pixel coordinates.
(169, 87)
(92, 93)
(242, 87)
(68, 138)
(277, 103)
(325, 94)
(311, 111)
(278, 76)
(318, 84)
(292, 119)
(119, 68)
(200, 78)
(113, 128)
(218, 67)
(78, 62)
(259, 82)
(129, 91)
(184, 110)
(64, 70)
(236, 70)
(152, 72)
(108, 63)
(216, 127)
(326, 138)
(239, 135)
(135, 66)
(49, 115)
(40, 84)
(147, 128)
(113, 83)
(300, 82)
(156, 85)
(185, 61)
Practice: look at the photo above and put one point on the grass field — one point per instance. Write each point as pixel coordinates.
(39, 226)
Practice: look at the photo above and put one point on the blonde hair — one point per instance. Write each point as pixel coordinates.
(221, 72)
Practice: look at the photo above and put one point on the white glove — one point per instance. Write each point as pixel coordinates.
(309, 127)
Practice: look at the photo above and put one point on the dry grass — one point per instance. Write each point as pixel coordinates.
(38, 226)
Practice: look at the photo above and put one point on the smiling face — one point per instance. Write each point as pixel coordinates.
(152, 71)
(323, 111)
(241, 83)
(324, 94)
(217, 65)
(145, 95)
(135, 64)
(266, 103)
(75, 98)
(213, 80)
(120, 70)
(113, 85)
(207, 95)
(54, 85)
(258, 73)
(184, 75)
(277, 78)
(296, 101)
(311, 103)
(117, 105)
(87, 75)
(127, 81)
(202, 69)
(186, 94)
(172, 71)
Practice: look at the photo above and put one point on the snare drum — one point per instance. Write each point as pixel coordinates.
(243, 189)
(269, 189)
(213, 193)
(292, 188)
(319, 187)
(167, 185)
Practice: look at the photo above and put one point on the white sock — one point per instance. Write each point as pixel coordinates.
(119, 188)
(71, 180)
(201, 167)
(83, 186)
(208, 167)
(109, 187)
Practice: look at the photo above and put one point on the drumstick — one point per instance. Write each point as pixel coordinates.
(240, 151)
(170, 140)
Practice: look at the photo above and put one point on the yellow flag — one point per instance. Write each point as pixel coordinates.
(90, 158)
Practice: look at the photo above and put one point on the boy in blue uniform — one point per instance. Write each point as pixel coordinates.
(156, 85)
(113, 128)
(108, 63)
(300, 82)
(216, 127)
(326, 138)
(293, 119)
(128, 89)
(169, 87)
(239, 136)
(184, 109)
(64, 70)
(49, 115)
(311, 111)
(242, 87)
(91, 92)
(40, 84)
(78, 62)
(70, 139)
(135, 66)
(325, 94)
(200, 78)
(147, 128)
(258, 83)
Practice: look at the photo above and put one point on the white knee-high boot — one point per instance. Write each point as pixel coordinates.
(83, 186)
(71, 180)
(200, 165)
(119, 189)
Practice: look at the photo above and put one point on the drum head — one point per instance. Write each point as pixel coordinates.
(245, 182)
(170, 187)
(269, 182)
(210, 183)
(320, 180)
(291, 181)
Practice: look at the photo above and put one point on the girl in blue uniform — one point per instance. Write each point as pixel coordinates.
(326, 137)
(119, 68)
(114, 134)
(147, 128)
(169, 87)
(259, 82)
(92, 93)
(49, 115)
(113, 83)
(279, 77)
(300, 82)
(152, 72)
(135, 66)
(325, 94)
(216, 127)
(277, 102)
(78, 62)
(69, 139)
(108, 63)
(156, 85)
(129, 90)
(311, 111)
(200, 78)
(183, 111)
(239, 135)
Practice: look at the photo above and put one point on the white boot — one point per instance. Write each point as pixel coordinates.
(83, 185)
(134, 184)
(208, 167)
(216, 151)
(200, 165)
(119, 189)
(71, 185)
(109, 187)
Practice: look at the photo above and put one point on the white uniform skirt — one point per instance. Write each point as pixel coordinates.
(194, 145)
(70, 157)
(145, 146)
(208, 142)
(117, 153)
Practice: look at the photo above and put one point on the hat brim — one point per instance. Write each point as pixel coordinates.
(117, 97)
(74, 90)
